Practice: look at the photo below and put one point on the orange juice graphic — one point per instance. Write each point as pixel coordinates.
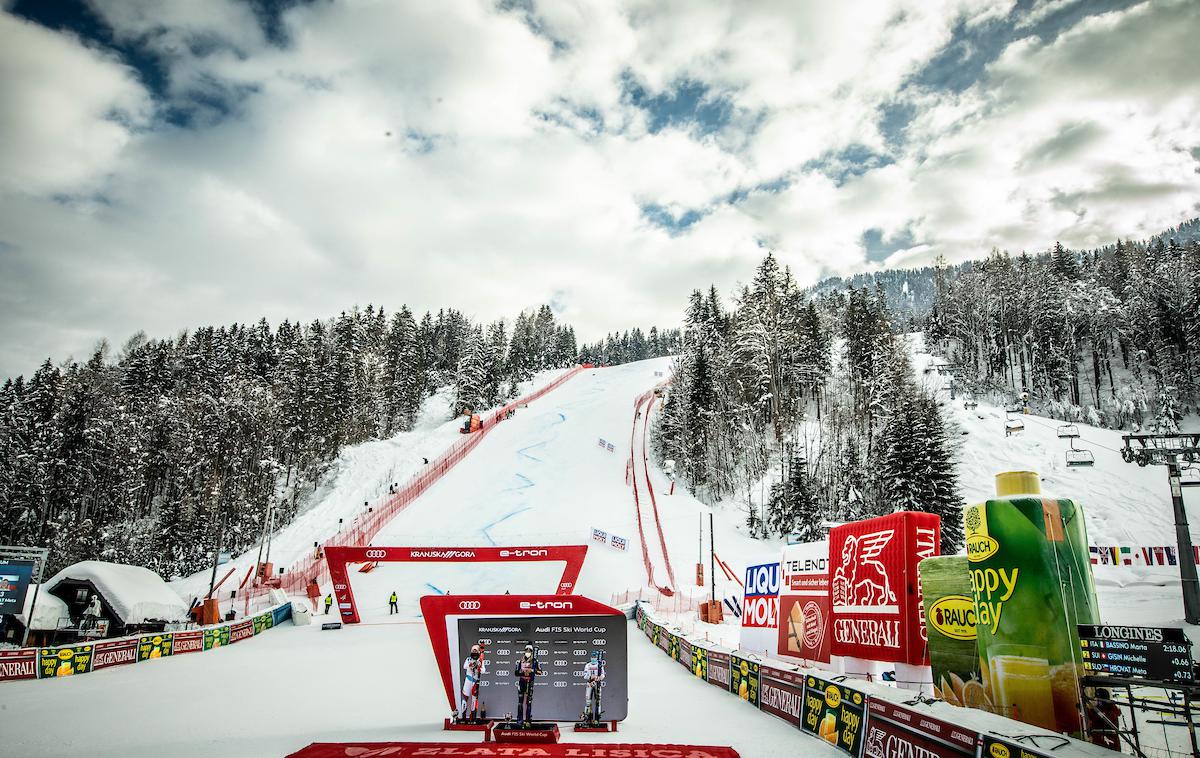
(66, 667)
(828, 729)
(1022, 683)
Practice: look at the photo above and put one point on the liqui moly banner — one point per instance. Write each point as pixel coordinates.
(874, 592)
(760, 608)
(804, 602)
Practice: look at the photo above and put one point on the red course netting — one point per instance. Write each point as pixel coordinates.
(638, 403)
(297, 576)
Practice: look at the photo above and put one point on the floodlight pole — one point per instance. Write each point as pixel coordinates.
(1183, 539)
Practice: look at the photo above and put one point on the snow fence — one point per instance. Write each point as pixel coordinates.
(862, 719)
(314, 568)
(72, 660)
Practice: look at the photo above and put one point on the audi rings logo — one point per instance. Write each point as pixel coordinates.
(469, 605)
(376, 553)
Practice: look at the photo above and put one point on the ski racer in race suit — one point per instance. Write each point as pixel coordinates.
(593, 674)
(527, 668)
(473, 668)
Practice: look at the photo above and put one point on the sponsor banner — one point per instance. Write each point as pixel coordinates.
(874, 594)
(187, 642)
(664, 640)
(950, 630)
(18, 664)
(685, 653)
(994, 747)
(154, 646)
(620, 543)
(115, 653)
(512, 750)
(673, 646)
(1027, 566)
(804, 602)
(834, 713)
(781, 693)
(217, 636)
(15, 577)
(718, 670)
(700, 662)
(280, 614)
(897, 732)
(599, 535)
(64, 661)
(743, 679)
(564, 645)
(760, 608)
(242, 630)
(262, 622)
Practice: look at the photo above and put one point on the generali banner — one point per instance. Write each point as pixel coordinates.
(781, 694)
(19, 664)
(115, 653)
(804, 602)
(897, 732)
(874, 592)
(718, 669)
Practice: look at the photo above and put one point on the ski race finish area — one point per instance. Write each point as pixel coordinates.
(414, 749)
(563, 630)
(338, 557)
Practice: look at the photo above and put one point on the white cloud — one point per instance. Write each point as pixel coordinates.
(450, 155)
(66, 111)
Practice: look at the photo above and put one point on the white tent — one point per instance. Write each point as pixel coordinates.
(134, 593)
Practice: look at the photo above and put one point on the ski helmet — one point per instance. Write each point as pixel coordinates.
(595, 655)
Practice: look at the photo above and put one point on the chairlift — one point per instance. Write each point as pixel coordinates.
(1189, 477)
(1068, 432)
(1080, 457)
(947, 387)
(1013, 426)
(970, 404)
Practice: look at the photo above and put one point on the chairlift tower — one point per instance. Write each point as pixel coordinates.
(1167, 450)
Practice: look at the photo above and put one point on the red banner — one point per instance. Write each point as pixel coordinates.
(509, 750)
(242, 630)
(875, 596)
(188, 642)
(18, 664)
(115, 653)
(718, 669)
(781, 693)
(339, 556)
(897, 732)
(804, 614)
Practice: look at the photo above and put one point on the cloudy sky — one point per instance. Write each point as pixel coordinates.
(168, 164)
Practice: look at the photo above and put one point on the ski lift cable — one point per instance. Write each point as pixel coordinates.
(1081, 437)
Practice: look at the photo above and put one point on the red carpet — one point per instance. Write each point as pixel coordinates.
(564, 750)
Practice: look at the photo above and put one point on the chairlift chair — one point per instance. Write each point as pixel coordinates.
(1080, 457)
(970, 404)
(1068, 431)
(1013, 426)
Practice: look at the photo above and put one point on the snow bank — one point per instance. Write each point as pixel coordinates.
(48, 612)
(134, 593)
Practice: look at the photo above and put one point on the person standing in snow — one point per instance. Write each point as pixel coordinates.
(593, 674)
(392, 604)
(527, 668)
(328, 603)
(473, 668)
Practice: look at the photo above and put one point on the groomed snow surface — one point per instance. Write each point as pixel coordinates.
(538, 478)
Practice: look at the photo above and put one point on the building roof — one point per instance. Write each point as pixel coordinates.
(50, 610)
(135, 594)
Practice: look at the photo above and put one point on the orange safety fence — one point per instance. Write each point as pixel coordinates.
(364, 529)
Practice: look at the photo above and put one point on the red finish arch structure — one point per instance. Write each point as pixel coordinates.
(339, 557)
